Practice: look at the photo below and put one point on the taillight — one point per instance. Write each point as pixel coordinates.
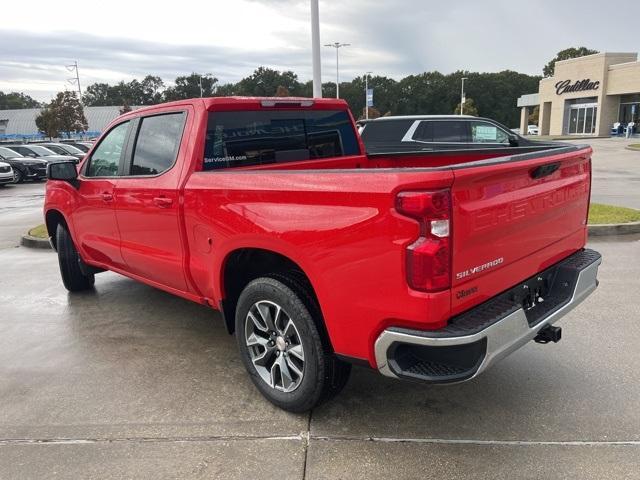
(429, 257)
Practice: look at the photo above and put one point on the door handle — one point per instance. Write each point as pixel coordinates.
(163, 202)
(107, 197)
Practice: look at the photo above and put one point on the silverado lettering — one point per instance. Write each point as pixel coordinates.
(318, 255)
(480, 268)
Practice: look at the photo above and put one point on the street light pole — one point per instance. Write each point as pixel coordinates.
(462, 99)
(207, 75)
(315, 49)
(337, 46)
(366, 91)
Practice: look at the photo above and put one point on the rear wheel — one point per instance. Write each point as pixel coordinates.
(69, 260)
(283, 346)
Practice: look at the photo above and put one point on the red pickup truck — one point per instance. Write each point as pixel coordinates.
(428, 266)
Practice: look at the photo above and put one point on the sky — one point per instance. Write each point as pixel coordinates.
(122, 40)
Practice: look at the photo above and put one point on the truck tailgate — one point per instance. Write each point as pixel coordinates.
(514, 216)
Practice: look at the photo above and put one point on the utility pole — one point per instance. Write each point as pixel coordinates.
(462, 99)
(206, 75)
(75, 79)
(315, 49)
(366, 91)
(337, 46)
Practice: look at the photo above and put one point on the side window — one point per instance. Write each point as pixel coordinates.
(484, 132)
(449, 131)
(105, 159)
(424, 132)
(157, 143)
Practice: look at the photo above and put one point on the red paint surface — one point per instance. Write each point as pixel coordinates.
(335, 218)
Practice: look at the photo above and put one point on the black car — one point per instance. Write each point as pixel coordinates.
(24, 168)
(38, 151)
(64, 149)
(83, 146)
(420, 133)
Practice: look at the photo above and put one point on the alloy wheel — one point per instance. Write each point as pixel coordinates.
(274, 346)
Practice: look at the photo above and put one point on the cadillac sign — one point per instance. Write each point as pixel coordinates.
(565, 86)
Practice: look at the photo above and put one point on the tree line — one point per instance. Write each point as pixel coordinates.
(492, 95)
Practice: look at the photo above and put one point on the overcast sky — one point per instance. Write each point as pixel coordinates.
(118, 40)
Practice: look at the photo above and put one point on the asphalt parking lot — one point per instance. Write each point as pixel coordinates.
(130, 382)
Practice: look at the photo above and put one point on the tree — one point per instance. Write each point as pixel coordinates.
(282, 92)
(469, 108)
(63, 115)
(264, 82)
(48, 123)
(567, 53)
(97, 95)
(373, 113)
(188, 86)
(152, 88)
(16, 100)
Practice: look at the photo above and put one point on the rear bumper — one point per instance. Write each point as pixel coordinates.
(478, 338)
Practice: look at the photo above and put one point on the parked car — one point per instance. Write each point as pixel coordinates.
(64, 149)
(24, 168)
(427, 266)
(38, 151)
(6, 174)
(440, 132)
(532, 130)
(82, 146)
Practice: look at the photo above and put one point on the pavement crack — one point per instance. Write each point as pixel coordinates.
(307, 438)
(460, 441)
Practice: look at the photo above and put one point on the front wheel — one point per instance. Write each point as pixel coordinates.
(18, 176)
(282, 347)
(69, 260)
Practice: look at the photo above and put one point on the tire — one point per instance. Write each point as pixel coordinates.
(69, 260)
(18, 177)
(295, 368)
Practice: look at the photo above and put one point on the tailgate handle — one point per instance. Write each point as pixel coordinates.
(544, 170)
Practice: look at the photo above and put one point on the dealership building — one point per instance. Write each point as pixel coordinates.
(586, 96)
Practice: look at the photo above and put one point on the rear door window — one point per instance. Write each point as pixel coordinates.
(450, 131)
(485, 132)
(245, 138)
(157, 143)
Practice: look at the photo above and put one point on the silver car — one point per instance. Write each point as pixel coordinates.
(6, 174)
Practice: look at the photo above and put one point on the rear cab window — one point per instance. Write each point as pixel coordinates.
(261, 137)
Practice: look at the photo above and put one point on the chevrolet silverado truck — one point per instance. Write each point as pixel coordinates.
(428, 266)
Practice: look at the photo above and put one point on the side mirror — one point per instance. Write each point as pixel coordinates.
(514, 141)
(65, 171)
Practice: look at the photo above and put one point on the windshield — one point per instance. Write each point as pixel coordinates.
(5, 152)
(71, 149)
(41, 151)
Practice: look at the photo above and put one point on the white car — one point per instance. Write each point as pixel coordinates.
(6, 174)
(532, 130)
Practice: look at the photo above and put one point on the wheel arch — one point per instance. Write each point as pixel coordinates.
(243, 265)
(52, 219)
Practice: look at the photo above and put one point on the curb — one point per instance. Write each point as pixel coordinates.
(632, 149)
(614, 229)
(34, 242)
